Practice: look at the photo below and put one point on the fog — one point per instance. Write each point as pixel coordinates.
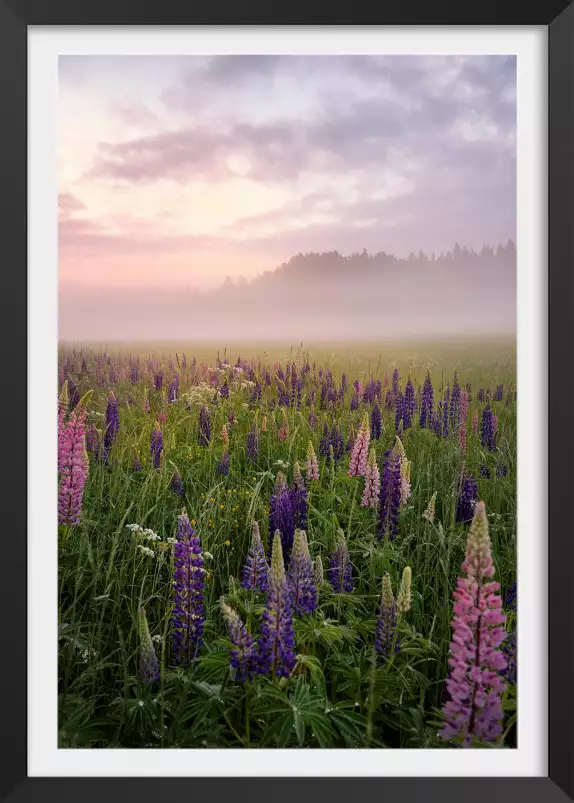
(314, 296)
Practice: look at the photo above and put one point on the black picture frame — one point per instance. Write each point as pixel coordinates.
(15, 17)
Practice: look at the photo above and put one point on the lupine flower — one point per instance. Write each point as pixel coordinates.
(223, 465)
(312, 419)
(405, 472)
(509, 651)
(177, 484)
(467, 499)
(255, 569)
(455, 403)
(137, 464)
(476, 683)
(158, 381)
(337, 442)
(372, 482)
(385, 634)
(149, 667)
(501, 470)
(498, 393)
(340, 569)
(244, 656)
(300, 577)
(429, 513)
(427, 403)
(318, 571)
(224, 390)
(224, 436)
(325, 441)
(395, 385)
(487, 429)
(281, 514)
(204, 432)
(312, 466)
(485, 472)
(480, 395)
(355, 401)
(92, 440)
(73, 466)
(253, 443)
(277, 640)
(298, 498)
(462, 438)
(399, 410)
(112, 424)
(358, 464)
(404, 595)
(156, 445)
(409, 404)
(376, 421)
(390, 501)
(188, 594)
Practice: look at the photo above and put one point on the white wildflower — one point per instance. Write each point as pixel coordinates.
(146, 550)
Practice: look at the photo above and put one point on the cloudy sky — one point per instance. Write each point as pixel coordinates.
(179, 171)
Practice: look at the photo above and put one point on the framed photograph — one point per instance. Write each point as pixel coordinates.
(295, 288)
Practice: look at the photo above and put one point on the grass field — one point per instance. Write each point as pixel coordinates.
(339, 691)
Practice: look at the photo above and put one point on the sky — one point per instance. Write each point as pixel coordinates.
(177, 171)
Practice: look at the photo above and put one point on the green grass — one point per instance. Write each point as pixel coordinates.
(338, 695)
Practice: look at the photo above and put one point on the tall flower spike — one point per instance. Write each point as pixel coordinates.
(391, 491)
(312, 466)
(73, 467)
(188, 594)
(204, 432)
(255, 569)
(243, 656)
(385, 633)
(427, 403)
(177, 484)
(340, 569)
(149, 667)
(376, 421)
(156, 445)
(359, 455)
(300, 576)
(318, 571)
(372, 482)
(476, 683)
(405, 471)
(276, 645)
(281, 516)
(429, 513)
(467, 498)
(404, 595)
(298, 498)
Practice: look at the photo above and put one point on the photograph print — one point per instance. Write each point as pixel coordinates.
(287, 432)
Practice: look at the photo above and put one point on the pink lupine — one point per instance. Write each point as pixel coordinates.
(74, 467)
(462, 438)
(358, 464)
(372, 482)
(312, 466)
(475, 684)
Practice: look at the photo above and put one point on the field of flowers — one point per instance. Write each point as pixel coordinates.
(301, 550)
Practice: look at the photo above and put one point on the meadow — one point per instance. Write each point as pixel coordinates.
(259, 546)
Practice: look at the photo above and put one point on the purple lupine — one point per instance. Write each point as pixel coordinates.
(376, 421)
(149, 666)
(244, 654)
(156, 445)
(112, 424)
(337, 442)
(253, 443)
(355, 401)
(134, 372)
(510, 600)
(340, 571)
(224, 390)
(172, 391)
(188, 594)
(475, 684)
(137, 463)
(409, 404)
(298, 493)
(300, 577)
(277, 641)
(395, 385)
(501, 470)
(385, 635)
(158, 381)
(485, 472)
(455, 403)
(177, 484)
(312, 419)
(360, 453)
(487, 429)
(498, 393)
(389, 401)
(223, 465)
(325, 441)
(255, 568)
(73, 467)
(281, 515)
(372, 482)
(480, 395)
(204, 431)
(509, 650)
(427, 403)
(390, 500)
(466, 499)
(74, 395)
(92, 440)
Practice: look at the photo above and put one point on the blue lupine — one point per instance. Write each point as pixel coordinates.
(487, 434)
(244, 655)
(390, 497)
(409, 404)
(427, 403)
(300, 577)
(188, 613)
(375, 422)
(298, 493)
(281, 516)
(467, 499)
(340, 571)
